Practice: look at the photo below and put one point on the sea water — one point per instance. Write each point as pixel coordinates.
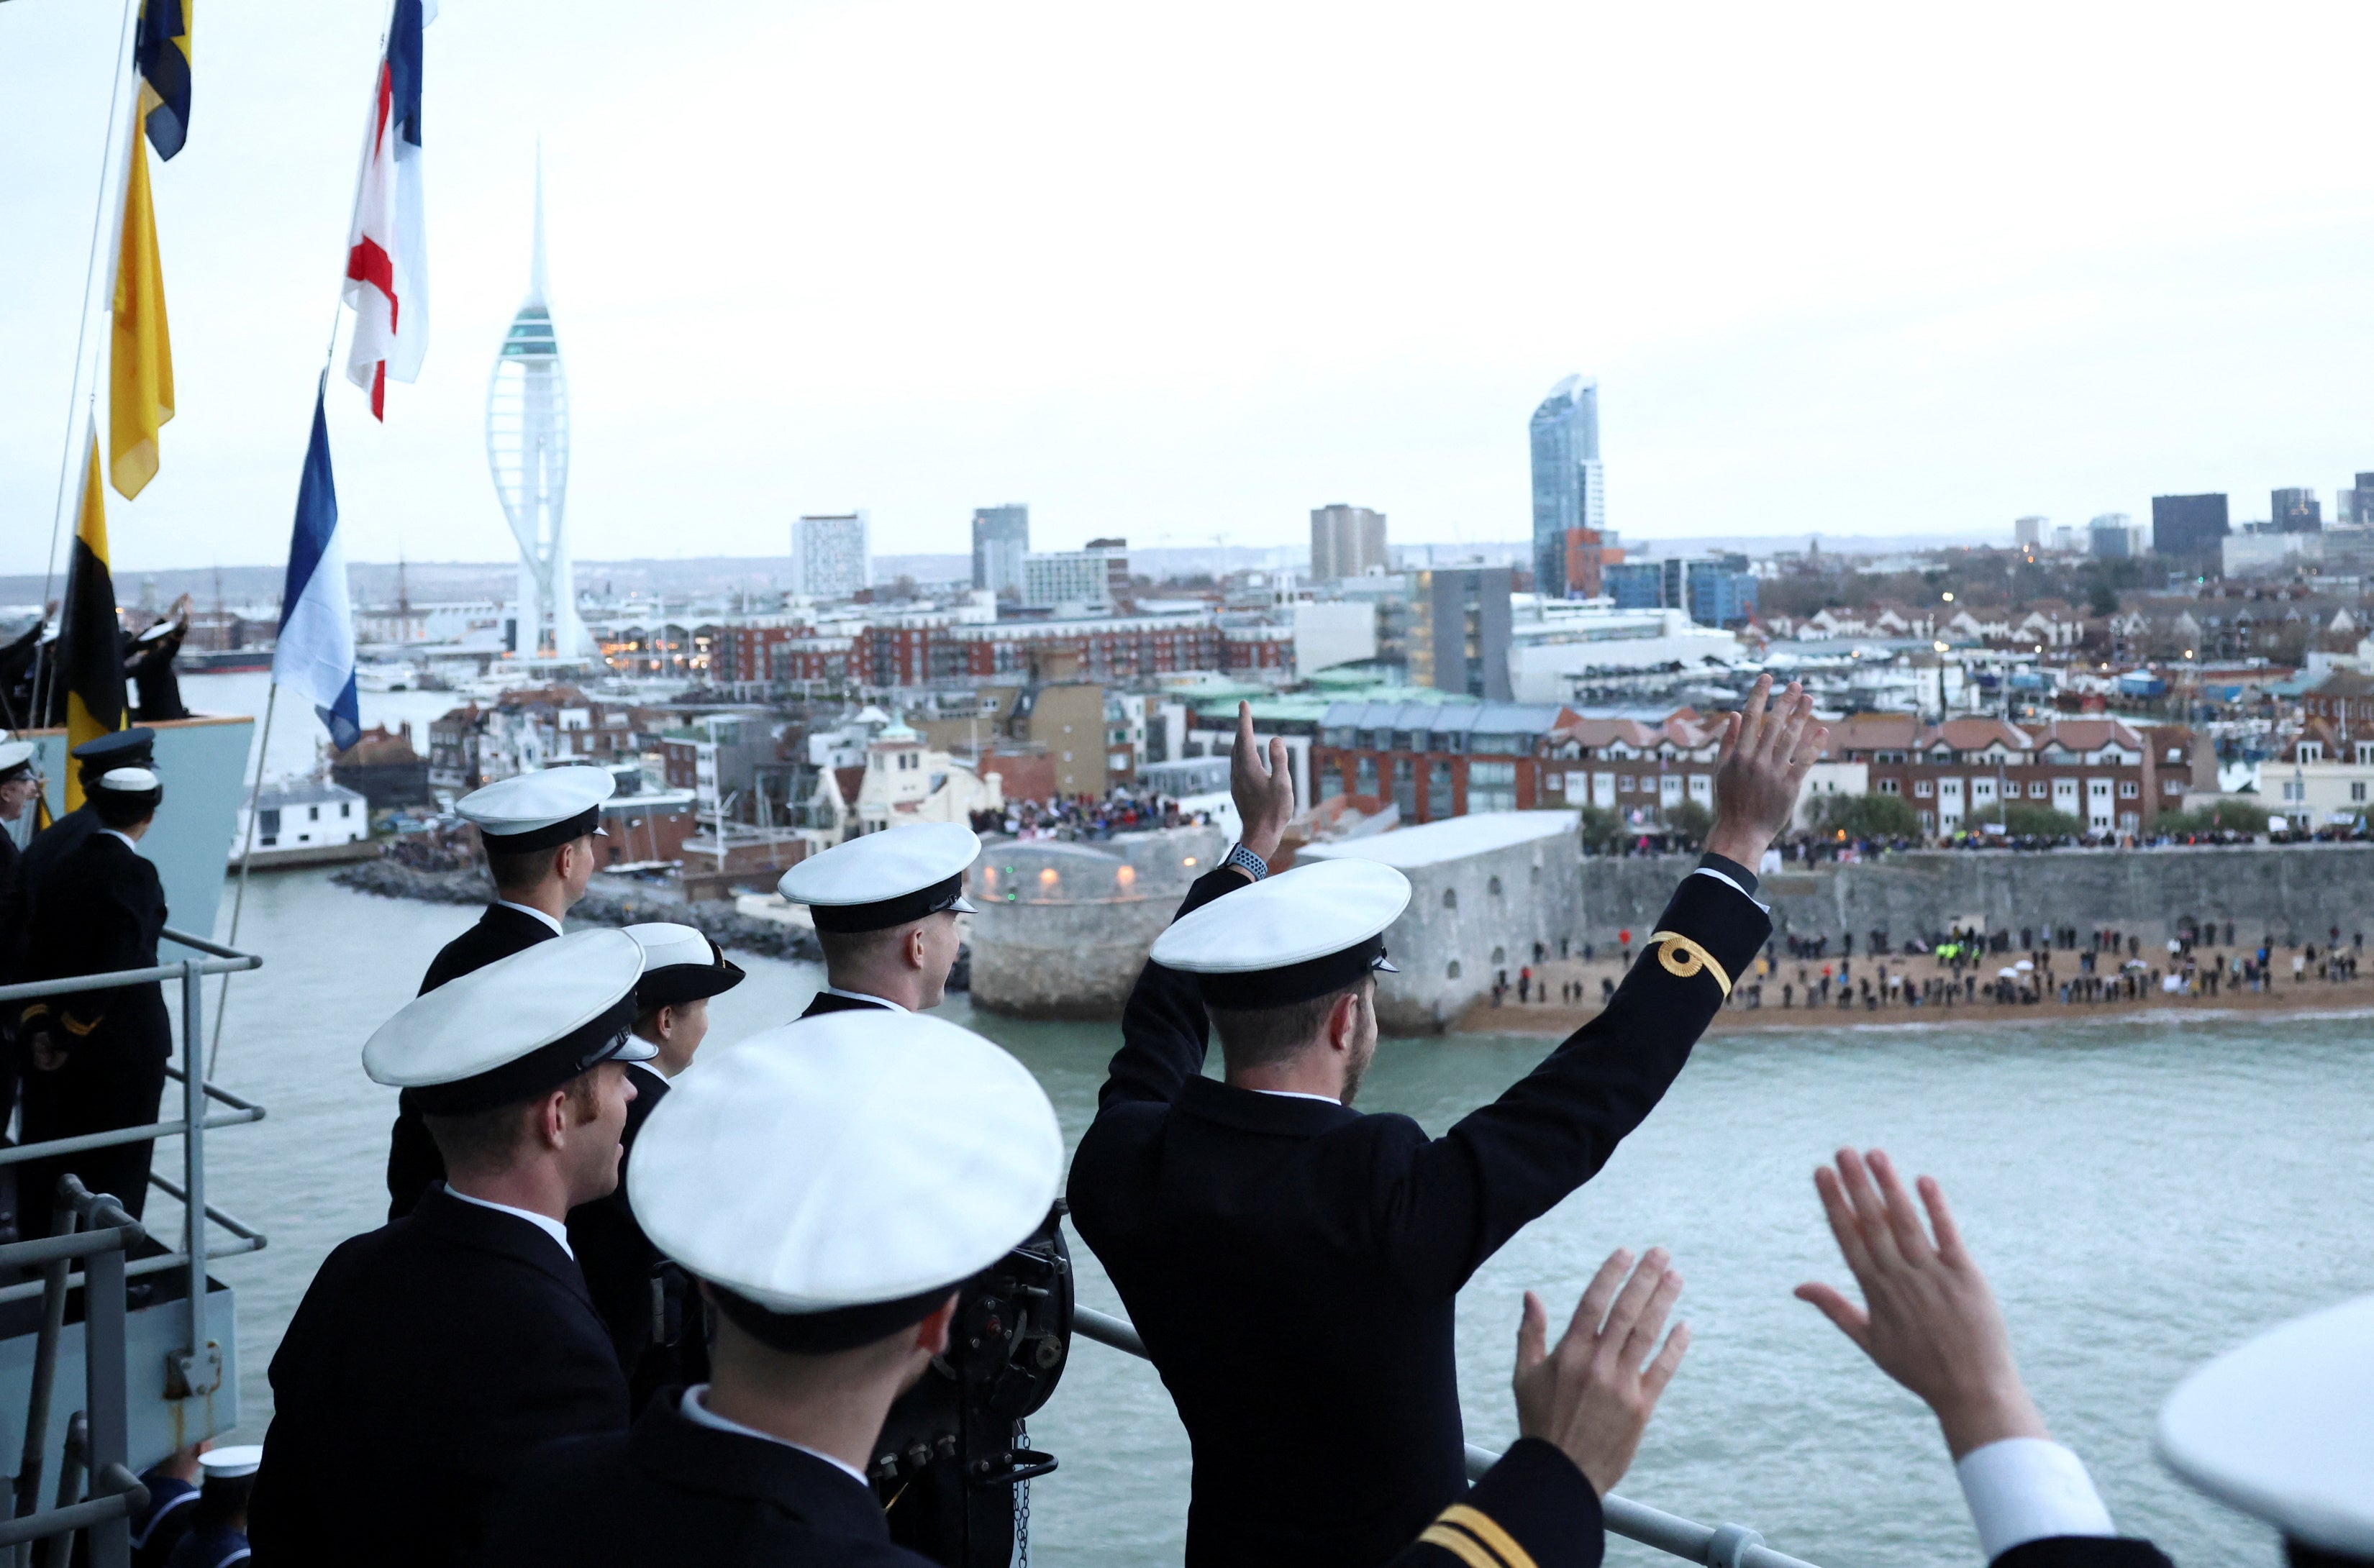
(2144, 1193)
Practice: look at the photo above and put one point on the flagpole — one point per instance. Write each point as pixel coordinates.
(247, 849)
(41, 667)
(272, 700)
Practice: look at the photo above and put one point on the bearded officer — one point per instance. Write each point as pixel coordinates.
(430, 1356)
(538, 831)
(885, 907)
(832, 1184)
(654, 1319)
(2282, 1429)
(1357, 1231)
(95, 1060)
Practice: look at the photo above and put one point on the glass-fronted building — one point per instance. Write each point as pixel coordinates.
(1566, 489)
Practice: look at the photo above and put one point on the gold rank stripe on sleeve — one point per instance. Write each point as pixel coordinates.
(1460, 1544)
(1475, 1538)
(1487, 1529)
(1683, 958)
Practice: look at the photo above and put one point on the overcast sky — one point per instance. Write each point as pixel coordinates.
(1181, 271)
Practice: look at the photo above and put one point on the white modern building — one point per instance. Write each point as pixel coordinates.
(1092, 578)
(830, 555)
(1556, 648)
(527, 453)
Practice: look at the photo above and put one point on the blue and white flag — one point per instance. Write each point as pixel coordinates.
(315, 655)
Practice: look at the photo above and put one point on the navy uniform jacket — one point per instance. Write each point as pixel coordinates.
(1293, 1264)
(672, 1490)
(158, 1529)
(428, 1358)
(49, 847)
(102, 907)
(217, 1547)
(619, 1262)
(2085, 1551)
(825, 1001)
(413, 1160)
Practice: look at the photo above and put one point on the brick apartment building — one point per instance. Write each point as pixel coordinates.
(2108, 774)
(1444, 759)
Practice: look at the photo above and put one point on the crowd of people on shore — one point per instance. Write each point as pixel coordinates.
(1083, 817)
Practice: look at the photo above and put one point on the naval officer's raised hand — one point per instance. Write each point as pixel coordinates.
(1768, 746)
(1928, 1318)
(1262, 786)
(1593, 1395)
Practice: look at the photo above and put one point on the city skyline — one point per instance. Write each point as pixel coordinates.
(2007, 332)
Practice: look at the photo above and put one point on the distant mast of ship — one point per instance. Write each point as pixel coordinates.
(527, 453)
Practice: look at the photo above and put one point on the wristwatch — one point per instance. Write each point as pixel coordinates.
(1245, 860)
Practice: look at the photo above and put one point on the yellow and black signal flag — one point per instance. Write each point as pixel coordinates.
(140, 363)
(90, 650)
(160, 49)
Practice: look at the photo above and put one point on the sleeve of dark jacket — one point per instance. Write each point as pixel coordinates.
(1532, 1510)
(1164, 1030)
(1448, 1204)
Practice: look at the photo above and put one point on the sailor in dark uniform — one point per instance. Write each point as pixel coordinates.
(885, 907)
(655, 1317)
(148, 664)
(135, 747)
(20, 785)
(538, 831)
(217, 1536)
(1356, 1231)
(173, 1484)
(95, 1061)
(832, 1183)
(2281, 1428)
(430, 1356)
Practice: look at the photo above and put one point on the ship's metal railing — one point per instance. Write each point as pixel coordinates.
(1723, 1546)
(94, 1228)
(198, 1369)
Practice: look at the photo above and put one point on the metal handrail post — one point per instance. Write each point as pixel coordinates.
(198, 1369)
(103, 1372)
(45, 1372)
(57, 1546)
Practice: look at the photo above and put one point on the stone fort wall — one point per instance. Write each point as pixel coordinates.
(2295, 891)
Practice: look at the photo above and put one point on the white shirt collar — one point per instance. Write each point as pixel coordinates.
(531, 909)
(865, 996)
(544, 1222)
(652, 1067)
(126, 839)
(699, 1414)
(1299, 1094)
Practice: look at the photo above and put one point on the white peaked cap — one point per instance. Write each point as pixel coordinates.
(16, 754)
(2282, 1427)
(666, 943)
(847, 1160)
(542, 809)
(1319, 908)
(1304, 932)
(886, 879)
(242, 1460)
(130, 781)
(518, 1027)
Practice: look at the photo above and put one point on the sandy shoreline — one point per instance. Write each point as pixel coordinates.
(2311, 998)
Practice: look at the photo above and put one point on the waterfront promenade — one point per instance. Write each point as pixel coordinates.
(2046, 984)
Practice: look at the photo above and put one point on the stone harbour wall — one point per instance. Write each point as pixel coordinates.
(1063, 929)
(2295, 891)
